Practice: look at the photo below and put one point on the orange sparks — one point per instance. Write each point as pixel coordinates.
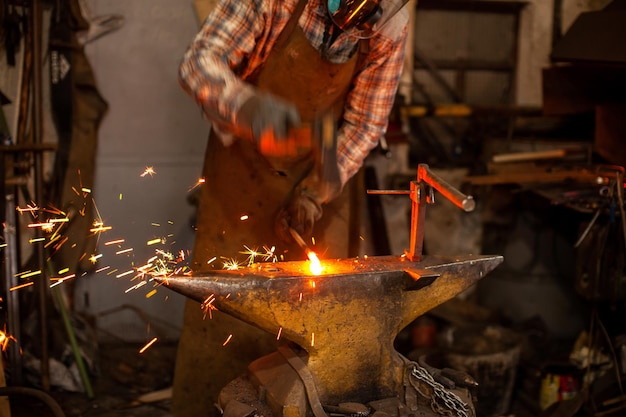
(150, 343)
(43, 226)
(94, 258)
(61, 280)
(312, 339)
(148, 171)
(354, 13)
(99, 227)
(244, 217)
(123, 274)
(28, 274)
(231, 265)
(197, 184)
(29, 209)
(207, 306)
(280, 330)
(5, 338)
(315, 266)
(151, 293)
(134, 287)
(17, 287)
(114, 242)
(227, 340)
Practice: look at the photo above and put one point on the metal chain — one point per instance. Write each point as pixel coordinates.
(442, 401)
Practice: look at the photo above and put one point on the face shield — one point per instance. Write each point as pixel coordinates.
(363, 18)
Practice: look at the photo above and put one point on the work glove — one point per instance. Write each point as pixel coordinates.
(305, 207)
(300, 214)
(267, 119)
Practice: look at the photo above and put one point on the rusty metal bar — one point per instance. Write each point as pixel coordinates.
(463, 201)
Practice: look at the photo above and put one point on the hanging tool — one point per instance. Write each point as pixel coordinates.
(12, 33)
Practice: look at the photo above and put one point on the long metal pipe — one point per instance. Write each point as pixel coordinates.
(465, 202)
(36, 19)
(13, 301)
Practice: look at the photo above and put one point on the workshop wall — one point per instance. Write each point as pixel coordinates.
(151, 122)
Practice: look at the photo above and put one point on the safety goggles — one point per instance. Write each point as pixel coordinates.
(363, 18)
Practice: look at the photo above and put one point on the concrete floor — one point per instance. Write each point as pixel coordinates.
(124, 376)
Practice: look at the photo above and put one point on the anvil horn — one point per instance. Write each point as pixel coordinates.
(345, 318)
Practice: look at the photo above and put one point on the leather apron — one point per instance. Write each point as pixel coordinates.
(241, 182)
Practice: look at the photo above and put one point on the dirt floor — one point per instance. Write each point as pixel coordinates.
(124, 376)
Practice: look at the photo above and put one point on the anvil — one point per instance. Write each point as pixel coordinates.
(346, 318)
(343, 320)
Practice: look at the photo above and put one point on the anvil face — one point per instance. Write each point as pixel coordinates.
(347, 317)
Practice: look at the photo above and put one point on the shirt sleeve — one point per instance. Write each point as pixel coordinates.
(369, 103)
(208, 71)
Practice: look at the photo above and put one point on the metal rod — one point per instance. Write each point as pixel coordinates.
(36, 17)
(392, 192)
(82, 370)
(465, 202)
(620, 201)
(588, 228)
(418, 217)
(296, 236)
(13, 301)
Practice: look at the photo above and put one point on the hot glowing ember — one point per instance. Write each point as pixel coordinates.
(148, 171)
(315, 266)
(197, 184)
(5, 338)
(147, 345)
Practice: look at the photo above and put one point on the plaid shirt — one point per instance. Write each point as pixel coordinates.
(238, 36)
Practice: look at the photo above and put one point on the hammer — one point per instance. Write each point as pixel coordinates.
(324, 133)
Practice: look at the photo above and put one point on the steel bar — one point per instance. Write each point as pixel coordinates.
(465, 202)
(36, 23)
(13, 301)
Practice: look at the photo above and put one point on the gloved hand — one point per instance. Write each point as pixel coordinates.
(305, 206)
(267, 120)
(301, 213)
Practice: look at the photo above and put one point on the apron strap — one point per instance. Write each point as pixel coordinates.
(291, 24)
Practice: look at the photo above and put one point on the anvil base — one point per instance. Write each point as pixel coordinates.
(273, 388)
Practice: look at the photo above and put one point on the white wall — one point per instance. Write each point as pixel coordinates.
(150, 122)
